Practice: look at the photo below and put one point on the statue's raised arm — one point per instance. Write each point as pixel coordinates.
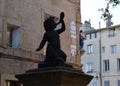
(62, 15)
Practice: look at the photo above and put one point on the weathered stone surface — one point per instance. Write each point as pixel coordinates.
(14, 64)
(29, 16)
(54, 76)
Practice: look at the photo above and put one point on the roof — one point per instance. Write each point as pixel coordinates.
(96, 30)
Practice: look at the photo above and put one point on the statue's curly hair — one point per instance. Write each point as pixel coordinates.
(49, 24)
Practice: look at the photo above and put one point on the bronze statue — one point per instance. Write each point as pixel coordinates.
(54, 54)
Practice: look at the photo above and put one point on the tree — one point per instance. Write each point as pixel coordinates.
(114, 2)
(106, 15)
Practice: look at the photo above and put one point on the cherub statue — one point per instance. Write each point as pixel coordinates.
(54, 54)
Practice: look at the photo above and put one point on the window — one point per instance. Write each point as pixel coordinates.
(112, 32)
(96, 35)
(118, 64)
(89, 68)
(89, 48)
(87, 36)
(103, 49)
(118, 83)
(106, 65)
(91, 35)
(94, 83)
(113, 49)
(12, 83)
(106, 83)
(13, 33)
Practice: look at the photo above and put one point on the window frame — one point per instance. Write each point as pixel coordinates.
(112, 32)
(106, 65)
(92, 35)
(118, 81)
(11, 30)
(95, 35)
(103, 49)
(12, 83)
(113, 49)
(88, 36)
(118, 64)
(90, 48)
(89, 67)
(107, 83)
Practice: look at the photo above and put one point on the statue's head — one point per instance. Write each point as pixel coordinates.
(49, 24)
(81, 31)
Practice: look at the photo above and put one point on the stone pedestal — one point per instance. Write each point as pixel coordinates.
(54, 76)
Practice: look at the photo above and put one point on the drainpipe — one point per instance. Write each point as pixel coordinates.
(100, 55)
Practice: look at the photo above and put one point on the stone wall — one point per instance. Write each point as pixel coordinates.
(29, 16)
(14, 61)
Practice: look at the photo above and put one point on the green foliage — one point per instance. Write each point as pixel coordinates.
(106, 15)
(114, 2)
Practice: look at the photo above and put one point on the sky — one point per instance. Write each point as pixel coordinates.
(89, 11)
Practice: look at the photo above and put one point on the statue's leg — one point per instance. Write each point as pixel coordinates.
(60, 55)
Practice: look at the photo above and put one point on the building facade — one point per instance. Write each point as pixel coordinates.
(102, 56)
(21, 30)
